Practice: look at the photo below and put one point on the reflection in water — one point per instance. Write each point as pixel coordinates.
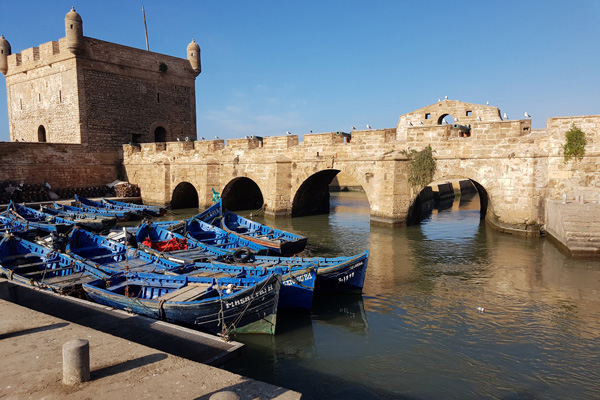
(416, 333)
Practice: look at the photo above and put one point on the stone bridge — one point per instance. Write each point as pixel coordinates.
(515, 169)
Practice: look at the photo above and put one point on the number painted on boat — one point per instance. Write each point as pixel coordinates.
(246, 299)
(299, 278)
(346, 278)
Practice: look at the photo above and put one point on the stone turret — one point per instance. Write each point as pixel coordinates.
(193, 55)
(74, 32)
(4, 53)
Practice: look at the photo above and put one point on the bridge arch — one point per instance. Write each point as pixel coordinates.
(242, 193)
(184, 195)
(312, 197)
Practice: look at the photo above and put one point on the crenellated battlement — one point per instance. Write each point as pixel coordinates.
(35, 57)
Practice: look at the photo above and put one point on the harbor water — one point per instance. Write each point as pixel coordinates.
(450, 309)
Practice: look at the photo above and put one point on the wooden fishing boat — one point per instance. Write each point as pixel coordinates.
(113, 257)
(334, 274)
(121, 216)
(210, 235)
(151, 211)
(91, 221)
(38, 219)
(29, 263)
(88, 204)
(223, 306)
(276, 240)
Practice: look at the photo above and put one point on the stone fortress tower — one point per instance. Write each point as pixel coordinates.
(87, 91)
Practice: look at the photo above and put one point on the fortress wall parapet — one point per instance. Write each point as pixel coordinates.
(64, 165)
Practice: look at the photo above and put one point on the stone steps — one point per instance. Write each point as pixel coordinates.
(580, 227)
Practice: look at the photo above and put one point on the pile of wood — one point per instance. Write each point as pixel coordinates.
(127, 190)
(21, 192)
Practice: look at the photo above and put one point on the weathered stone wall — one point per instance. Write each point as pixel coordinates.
(433, 115)
(125, 96)
(61, 165)
(107, 95)
(42, 90)
(519, 168)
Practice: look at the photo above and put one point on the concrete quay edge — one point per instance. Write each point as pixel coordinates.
(120, 368)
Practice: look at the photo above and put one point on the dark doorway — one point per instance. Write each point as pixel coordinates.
(160, 134)
(42, 134)
(312, 198)
(242, 194)
(184, 196)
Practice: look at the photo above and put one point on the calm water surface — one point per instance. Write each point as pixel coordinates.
(415, 332)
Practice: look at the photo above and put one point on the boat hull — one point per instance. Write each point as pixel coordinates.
(253, 310)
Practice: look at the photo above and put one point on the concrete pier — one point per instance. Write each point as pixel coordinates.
(120, 368)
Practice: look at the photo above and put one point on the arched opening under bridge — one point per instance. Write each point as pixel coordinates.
(185, 195)
(312, 197)
(448, 194)
(242, 194)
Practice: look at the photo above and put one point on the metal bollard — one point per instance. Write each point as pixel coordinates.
(76, 361)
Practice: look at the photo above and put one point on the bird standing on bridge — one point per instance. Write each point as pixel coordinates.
(353, 128)
(527, 115)
(505, 116)
(368, 126)
(216, 137)
(288, 132)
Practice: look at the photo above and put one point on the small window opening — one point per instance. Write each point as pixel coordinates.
(427, 116)
(71, 26)
(60, 96)
(21, 102)
(136, 138)
(160, 134)
(39, 97)
(41, 134)
(469, 113)
(158, 97)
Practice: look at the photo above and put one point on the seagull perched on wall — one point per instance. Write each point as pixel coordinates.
(439, 100)
(179, 140)
(353, 128)
(420, 122)
(201, 137)
(288, 132)
(368, 126)
(487, 103)
(187, 139)
(216, 137)
(505, 116)
(478, 118)
(410, 123)
(527, 115)
(445, 97)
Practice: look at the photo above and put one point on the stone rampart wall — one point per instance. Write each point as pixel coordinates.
(61, 165)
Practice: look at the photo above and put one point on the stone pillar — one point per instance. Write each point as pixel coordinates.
(279, 201)
(76, 361)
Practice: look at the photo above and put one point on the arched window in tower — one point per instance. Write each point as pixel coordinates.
(42, 134)
(160, 134)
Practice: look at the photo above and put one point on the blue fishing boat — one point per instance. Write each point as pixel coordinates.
(113, 257)
(91, 221)
(298, 279)
(276, 240)
(121, 216)
(151, 211)
(97, 206)
(224, 306)
(29, 263)
(38, 219)
(334, 274)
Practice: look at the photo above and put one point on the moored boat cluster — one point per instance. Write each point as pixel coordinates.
(216, 271)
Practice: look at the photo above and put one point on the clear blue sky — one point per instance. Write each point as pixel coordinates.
(275, 66)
